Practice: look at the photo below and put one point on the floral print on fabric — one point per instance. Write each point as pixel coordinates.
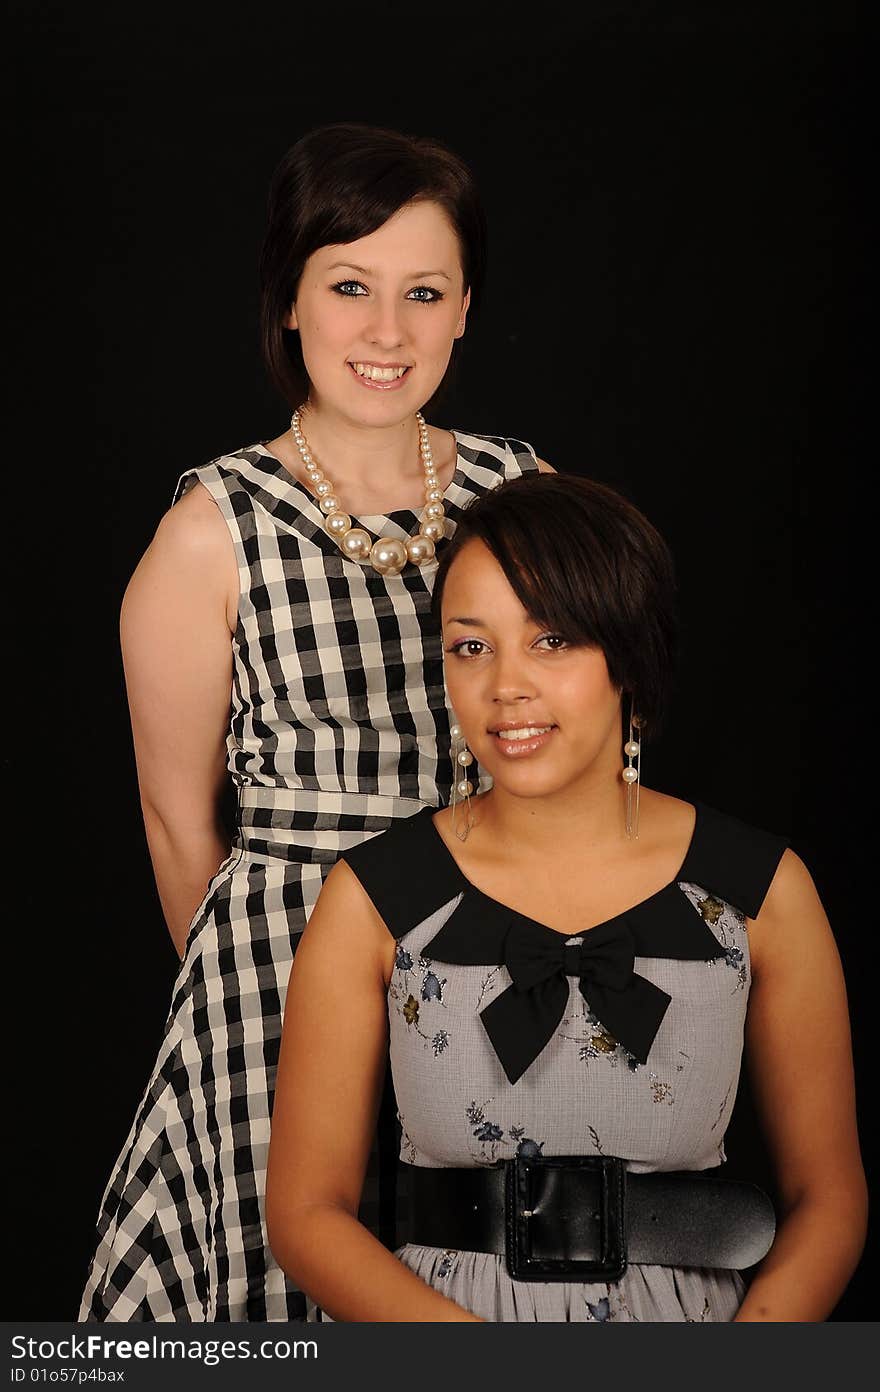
(729, 927)
(493, 1139)
(609, 1307)
(593, 1039)
(409, 1005)
(447, 1264)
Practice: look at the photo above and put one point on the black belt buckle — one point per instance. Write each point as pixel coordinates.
(565, 1218)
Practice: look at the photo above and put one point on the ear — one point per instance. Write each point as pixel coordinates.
(291, 321)
(465, 305)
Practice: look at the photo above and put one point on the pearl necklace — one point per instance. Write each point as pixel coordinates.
(388, 555)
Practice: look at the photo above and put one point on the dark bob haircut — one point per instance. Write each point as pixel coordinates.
(587, 565)
(339, 183)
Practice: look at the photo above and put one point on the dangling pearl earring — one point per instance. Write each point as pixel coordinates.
(632, 777)
(462, 787)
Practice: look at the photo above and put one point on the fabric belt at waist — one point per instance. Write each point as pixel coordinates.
(582, 1218)
(310, 826)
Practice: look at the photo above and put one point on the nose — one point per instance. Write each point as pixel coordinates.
(512, 683)
(385, 327)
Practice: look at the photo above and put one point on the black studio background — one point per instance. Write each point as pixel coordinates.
(677, 252)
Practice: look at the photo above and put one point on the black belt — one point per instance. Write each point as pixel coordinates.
(577, 1217)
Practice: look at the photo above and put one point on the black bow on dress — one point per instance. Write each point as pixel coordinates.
(522, 1020)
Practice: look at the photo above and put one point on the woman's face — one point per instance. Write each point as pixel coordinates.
(377, 317)
(540, 715)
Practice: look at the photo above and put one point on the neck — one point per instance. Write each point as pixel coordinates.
(377, 457)
(589, 816)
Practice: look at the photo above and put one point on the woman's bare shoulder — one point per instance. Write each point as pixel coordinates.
(193, 528)
(190, 562)
(792, 897)
(664, 818)
(345, 922)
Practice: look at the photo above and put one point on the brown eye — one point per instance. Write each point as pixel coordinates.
(468, 647)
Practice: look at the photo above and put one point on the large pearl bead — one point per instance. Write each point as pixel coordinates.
(434, 495)
(420, 549)
(388, 556)
(630, 775)
(323, 488)
(464, 788)
(433, 527)
(329, 504)
(337, 524)
(465, 758)
(455, 732)
(434, 510)
(631, 748)
(356, 544)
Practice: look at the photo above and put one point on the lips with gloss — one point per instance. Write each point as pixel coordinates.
(522, 740)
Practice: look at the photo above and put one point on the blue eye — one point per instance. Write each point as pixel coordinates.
(425, 294)
(350, 288)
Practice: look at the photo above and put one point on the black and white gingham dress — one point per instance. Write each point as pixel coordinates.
(339, 725)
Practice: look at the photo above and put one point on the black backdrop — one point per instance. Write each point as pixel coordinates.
(677, 252)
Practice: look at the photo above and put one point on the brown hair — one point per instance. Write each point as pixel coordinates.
(339, 183)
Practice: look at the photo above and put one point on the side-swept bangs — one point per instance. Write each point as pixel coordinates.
(586, 564)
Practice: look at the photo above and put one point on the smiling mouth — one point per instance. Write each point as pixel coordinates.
(375, 375)
(518, 741)
(523, 732)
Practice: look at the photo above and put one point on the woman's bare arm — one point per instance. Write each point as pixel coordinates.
(177, 654)
(330, 1077)
(800, 1063)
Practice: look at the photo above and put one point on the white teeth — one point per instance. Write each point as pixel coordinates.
(378, 374)
(527, 732)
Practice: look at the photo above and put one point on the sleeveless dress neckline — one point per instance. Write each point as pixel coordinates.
(400, 517)
(657, 895)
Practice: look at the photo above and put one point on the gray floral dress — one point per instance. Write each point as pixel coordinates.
(584, 1093)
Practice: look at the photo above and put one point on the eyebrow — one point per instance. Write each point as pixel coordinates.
(364, 270)
(468, 622)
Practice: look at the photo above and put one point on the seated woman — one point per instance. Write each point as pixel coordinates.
(565, 966)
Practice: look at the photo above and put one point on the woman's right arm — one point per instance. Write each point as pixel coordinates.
(176, 623)
(330, 1075)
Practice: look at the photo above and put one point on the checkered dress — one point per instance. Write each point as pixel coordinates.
(339, 725)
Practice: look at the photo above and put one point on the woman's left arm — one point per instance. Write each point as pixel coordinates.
(800, 1065)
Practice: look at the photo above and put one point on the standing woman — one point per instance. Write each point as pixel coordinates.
(278, 630)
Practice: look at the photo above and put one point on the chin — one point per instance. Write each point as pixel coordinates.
(525, 783)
